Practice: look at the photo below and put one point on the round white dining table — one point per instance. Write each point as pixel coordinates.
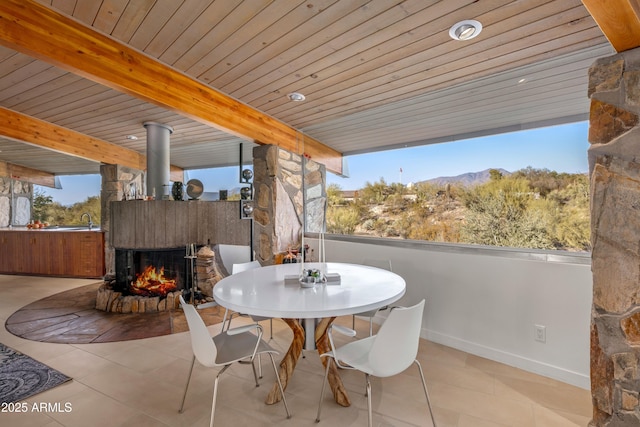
(265, 292)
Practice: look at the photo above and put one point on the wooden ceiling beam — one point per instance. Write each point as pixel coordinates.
(31, 28)
(43, 134)
(26, 174)
(619, 20)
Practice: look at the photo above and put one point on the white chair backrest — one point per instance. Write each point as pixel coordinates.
(385, 264)
(233, 254)
(396, 345)
(203, 346)
(237, 268)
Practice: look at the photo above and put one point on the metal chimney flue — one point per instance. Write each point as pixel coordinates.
(158, 159)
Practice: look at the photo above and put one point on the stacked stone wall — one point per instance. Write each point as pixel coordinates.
(118, 183)
(15, 202)
(614, 161)
(280, 177)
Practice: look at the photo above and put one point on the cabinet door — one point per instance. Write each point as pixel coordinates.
(15, 252)
(86, 251)
(21, 243)
(58, 256)
(6, 252)
(40, 255)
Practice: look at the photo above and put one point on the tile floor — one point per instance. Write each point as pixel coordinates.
(140, 383)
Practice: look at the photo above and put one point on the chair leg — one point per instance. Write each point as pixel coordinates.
(260, 366)
(371, 326)
(255, 375)
(324, 383)
(366, 390)
(270, 329)
(224, 319)
(228, 323)
(215, 394)
(184, 396)
(284, 399)
(426, 393)
(369, 400)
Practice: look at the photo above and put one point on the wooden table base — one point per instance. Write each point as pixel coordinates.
(288, 363)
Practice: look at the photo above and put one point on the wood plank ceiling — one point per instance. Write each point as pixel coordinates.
(376, 74)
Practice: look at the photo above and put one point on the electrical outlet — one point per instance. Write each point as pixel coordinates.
(540, 333)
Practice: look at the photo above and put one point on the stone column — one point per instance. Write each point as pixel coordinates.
(278, 200)
(5, 201)
(16, 198)
(118, 183)
(614, 163)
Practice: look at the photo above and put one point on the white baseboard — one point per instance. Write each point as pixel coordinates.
(530, 365)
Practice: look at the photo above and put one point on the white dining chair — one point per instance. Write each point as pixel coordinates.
(226, 324)
(391, 351)
(193, 358)
(226, 348)
(385, 264)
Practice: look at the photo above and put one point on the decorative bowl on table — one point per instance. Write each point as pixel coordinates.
(310, 277)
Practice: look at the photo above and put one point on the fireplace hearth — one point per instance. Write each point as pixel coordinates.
(112, 301)
(146, 280)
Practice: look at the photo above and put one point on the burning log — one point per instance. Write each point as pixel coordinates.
(152, 282)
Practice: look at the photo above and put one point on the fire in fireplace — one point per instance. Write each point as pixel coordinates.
(152, 282)
(150, 272)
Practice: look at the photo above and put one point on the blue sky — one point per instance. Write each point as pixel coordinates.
(561, 148)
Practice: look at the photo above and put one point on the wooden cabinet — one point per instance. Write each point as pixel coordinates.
(39, 256)
(85, 250)
(7, 250)
(52, 253)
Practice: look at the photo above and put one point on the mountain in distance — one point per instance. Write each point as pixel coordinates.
(468, 179)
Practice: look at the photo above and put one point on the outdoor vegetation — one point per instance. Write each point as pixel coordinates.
(46, 210)
(530, 208)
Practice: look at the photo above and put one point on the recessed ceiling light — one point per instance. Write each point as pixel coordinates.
(296, 97)
(465, 30)
(132, 137)
(522, 80)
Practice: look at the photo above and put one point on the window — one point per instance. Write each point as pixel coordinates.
(525, 189)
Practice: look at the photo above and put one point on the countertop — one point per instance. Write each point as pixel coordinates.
(54, 228)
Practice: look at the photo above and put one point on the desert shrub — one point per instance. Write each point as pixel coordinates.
(342, 219)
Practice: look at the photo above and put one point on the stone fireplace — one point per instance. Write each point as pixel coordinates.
(145, 280)
(156, 233)
(152, 280)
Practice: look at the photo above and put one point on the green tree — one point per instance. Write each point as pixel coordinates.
(41, 204)
(374, 193)
(495, 174)
(334, 195)
(57, 214)
(544, 181)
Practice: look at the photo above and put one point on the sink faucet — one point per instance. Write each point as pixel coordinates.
(90, 223)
